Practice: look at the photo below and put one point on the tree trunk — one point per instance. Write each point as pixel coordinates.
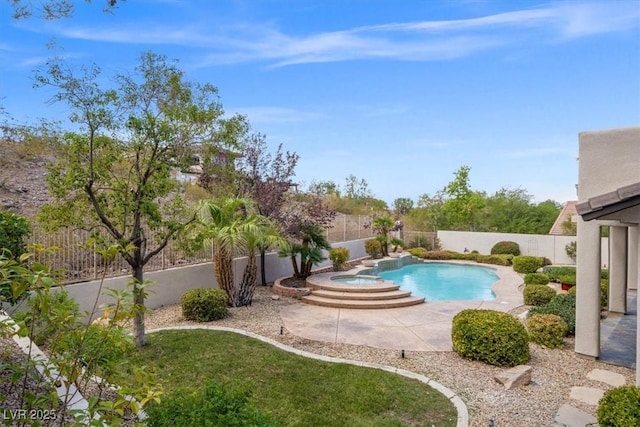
(139, 335)
(223, 265)
(249, 280)
(294, 264)
(263, 274)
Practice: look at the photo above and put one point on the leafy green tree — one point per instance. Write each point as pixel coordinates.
(463, 205)
(115, 173)
(13, 230)
(402, 206)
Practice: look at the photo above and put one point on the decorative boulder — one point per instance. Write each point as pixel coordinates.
(515, 377)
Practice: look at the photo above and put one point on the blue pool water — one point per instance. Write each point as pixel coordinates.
(444, 282)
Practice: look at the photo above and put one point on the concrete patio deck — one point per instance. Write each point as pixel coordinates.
(424, 327)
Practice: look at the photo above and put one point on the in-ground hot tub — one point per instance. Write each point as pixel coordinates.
(357, 279)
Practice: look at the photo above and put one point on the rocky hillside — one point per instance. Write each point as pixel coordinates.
(23, 188)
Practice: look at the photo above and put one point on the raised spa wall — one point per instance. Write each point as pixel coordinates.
(391, 264)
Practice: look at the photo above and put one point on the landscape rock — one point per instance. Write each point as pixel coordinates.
(515, 377)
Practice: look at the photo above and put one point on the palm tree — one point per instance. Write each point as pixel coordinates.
(311, 241)
(382, 225)
(233, 228)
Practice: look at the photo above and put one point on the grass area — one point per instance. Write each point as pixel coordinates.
(296, 390)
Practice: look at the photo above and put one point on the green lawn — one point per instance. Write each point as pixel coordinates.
(295, 390)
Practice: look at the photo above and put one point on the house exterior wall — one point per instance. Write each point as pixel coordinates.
(608, 160)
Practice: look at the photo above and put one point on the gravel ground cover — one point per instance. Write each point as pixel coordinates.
(555, 371)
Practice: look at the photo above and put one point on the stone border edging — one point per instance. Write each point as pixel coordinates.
(461, 408)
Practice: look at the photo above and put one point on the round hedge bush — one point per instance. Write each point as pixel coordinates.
(537, 294)
(490, 336)
(204, 304)
(620, 407)
(506, 248)
(536, 279)
(548, 330)
(373, 248)
(564, 305)
(527, 264)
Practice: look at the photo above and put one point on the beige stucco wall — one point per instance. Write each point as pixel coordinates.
(601, 168)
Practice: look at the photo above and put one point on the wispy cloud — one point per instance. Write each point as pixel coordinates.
(407, 41)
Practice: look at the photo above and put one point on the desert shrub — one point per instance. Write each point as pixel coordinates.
(537, 294)
(419, 252)
(339, 257)
(563, 305)
(373, 248)
(547, 329)
(495, 259)
(204, 304)
(555, 272)
(536, 279)
(527, 264)
(13, 230)
(620, 407)
(48, 313)
(215, 405)
(490, 336)
(437, 255)
(506, 248)
(604, 274)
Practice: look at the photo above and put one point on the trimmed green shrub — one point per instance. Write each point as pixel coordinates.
(213, 406)
(204, 304)
(563, 305)
(438, 255)
(495, 259)
(538, 294)
(490, 336)
(567, 279)
(419, 252)
(506, 248)
(527, 264)
(620, 407)
(373, 248)
(547, 329)
(339, 257)
(536, 279)
(555, 272)
(604, 274)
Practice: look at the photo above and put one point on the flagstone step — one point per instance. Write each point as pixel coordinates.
(393, 294)
(347, 303)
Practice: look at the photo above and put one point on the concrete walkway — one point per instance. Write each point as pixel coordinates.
(424, 327)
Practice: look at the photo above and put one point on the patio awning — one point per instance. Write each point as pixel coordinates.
(611, 202)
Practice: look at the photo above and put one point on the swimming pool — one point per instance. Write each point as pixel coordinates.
(444, 282)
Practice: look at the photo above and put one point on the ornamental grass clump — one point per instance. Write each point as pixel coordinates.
(620, 407)
(490, 336)
(204, 304)
(548, 330)
(537, 294)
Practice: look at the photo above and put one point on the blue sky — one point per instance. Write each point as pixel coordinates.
(399, 93)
